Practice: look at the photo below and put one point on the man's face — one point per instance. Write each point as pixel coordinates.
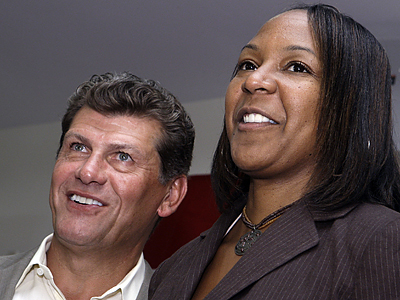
(105, 189)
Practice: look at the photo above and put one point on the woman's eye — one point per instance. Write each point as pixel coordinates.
(124, 156)
(247, 66)
(298, 68)
(244, 66)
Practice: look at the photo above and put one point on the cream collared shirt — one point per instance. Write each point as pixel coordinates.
(37, 281)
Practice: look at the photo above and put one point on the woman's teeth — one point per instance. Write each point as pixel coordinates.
(256, 118)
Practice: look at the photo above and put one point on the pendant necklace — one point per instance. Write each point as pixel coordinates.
(248, 239)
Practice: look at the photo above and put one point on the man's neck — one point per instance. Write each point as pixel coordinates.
(82, 274)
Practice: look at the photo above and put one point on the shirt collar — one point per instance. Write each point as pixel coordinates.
(129, 286)
(131, 283)
(38, 259)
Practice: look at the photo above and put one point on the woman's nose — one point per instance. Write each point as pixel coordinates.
(260, 80)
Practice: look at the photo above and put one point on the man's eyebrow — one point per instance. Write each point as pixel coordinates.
(75, 135)
(123, 146)
(111, 146)
(133, 150)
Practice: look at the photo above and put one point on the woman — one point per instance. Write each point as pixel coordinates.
(305, 172)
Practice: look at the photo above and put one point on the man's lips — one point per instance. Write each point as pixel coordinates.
(84, 200)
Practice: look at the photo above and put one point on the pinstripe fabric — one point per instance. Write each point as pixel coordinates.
(351, 254)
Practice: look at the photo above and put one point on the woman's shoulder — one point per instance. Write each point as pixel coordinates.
(358, 214)
(192, 247)
(368, 223)
(182, 252)
(171, 268)
(375, 213)
(358, 226)
(203, 246)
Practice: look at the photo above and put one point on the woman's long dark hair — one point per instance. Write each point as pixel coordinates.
(357, 157)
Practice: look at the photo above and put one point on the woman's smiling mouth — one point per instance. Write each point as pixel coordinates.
(257, 118)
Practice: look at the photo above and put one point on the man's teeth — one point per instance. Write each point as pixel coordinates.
(257, 118)
(84, 200)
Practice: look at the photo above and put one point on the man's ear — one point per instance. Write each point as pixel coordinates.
(171, 201)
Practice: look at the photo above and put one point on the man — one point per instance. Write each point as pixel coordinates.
(125, 151)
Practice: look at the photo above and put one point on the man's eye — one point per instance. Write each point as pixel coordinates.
(78, 147)
(298, 68)
(123, 156)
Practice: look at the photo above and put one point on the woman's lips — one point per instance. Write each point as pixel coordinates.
(256, 118)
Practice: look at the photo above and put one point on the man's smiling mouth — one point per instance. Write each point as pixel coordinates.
(84, 200)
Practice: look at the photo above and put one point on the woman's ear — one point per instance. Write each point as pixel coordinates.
(172, 200)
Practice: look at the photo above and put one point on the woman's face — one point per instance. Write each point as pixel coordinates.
(271, 103)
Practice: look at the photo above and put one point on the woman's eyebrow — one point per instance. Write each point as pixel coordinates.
(250, 46)
(300, 48)
(288, 48)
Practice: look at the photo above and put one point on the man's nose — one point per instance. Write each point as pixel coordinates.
(92, 170)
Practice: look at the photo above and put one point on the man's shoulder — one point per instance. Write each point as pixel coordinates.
(148, 273)
(11, 269)
(8, 261)
(144, 289)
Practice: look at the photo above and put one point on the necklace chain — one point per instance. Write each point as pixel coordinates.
(264, 222)
(248, 239)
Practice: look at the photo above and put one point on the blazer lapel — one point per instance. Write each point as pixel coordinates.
(293, 233)
(196, 263)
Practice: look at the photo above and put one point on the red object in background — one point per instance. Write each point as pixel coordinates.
(197, 213)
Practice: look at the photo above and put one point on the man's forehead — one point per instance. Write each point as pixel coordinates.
(117, 131)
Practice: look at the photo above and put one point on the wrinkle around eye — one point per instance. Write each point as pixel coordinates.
(122, 166)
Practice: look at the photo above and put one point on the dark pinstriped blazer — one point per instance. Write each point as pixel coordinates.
(353, 253)
(12, 267)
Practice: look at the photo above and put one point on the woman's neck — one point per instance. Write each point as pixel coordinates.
(267, 196)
